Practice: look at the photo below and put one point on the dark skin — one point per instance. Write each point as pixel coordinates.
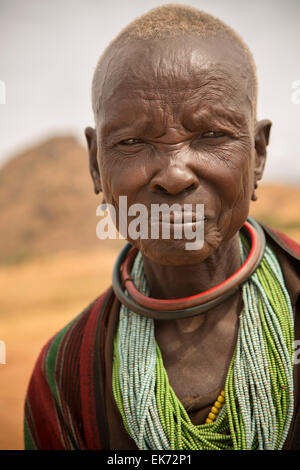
(175, 125)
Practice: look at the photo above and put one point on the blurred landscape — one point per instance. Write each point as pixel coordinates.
(52, 264)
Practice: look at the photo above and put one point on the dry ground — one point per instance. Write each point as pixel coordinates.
(37, 299)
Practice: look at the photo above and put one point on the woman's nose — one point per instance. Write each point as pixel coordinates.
(174, 180)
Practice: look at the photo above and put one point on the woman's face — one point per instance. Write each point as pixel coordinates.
(175, 126)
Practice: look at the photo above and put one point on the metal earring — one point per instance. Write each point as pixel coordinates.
(254, 197)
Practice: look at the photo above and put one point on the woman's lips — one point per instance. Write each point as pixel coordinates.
(173, 219)
(174, 225)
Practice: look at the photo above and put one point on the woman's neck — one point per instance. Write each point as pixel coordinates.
(171, 282)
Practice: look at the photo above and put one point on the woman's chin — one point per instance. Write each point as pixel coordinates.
(172, 251)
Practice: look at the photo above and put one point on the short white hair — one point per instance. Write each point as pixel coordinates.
(167, 21)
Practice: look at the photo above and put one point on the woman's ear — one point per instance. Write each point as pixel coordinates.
(262, 135)
(91, 139)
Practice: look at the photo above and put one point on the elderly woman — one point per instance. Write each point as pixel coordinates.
(189, 348)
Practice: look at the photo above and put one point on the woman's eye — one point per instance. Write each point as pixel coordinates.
(130, 142)
(213, 134)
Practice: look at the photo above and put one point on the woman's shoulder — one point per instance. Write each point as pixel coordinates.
(287, 251)
(62, 354)
(81, 330)
(287, 244)
(62, 380)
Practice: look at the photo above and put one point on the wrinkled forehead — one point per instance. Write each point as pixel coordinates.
(213, 68)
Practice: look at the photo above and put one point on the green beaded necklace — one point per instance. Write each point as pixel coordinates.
(259, 386)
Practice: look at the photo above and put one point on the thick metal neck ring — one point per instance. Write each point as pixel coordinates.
(171, 309)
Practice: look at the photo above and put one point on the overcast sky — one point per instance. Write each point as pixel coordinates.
(49, 49)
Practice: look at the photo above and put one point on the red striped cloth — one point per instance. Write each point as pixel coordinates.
(68, 367)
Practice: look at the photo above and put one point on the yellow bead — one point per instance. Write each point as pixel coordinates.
(208, 421)
(214, 410)
(221, 399)
(223, 393)
(218, 405)
(212, 416)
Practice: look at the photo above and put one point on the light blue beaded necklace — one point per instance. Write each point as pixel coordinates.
(259, 417)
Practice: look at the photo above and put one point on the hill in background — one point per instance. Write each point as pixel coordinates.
(48, 205)
(47, 202)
